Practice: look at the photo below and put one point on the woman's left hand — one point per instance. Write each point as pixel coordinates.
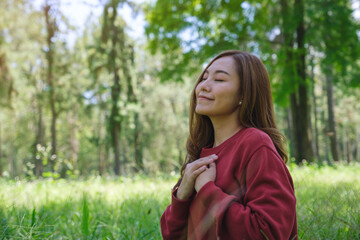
(206, 176)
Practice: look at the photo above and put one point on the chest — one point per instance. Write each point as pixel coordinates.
(231, 176)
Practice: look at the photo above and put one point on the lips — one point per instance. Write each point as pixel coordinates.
(201, 97)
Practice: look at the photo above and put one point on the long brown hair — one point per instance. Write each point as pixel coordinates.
(256, 109)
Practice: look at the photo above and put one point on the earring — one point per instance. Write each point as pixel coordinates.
(240, 103)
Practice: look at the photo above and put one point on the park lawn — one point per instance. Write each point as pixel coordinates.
(130, 208)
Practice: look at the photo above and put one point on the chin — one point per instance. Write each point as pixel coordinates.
(202, 111)
(199, 111)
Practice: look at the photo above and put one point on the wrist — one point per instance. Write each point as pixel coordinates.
(203, 184)
(179, 195)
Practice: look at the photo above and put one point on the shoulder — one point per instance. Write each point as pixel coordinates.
(256, 138)
(253, 139)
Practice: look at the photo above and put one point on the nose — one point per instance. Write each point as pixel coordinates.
(204, 86)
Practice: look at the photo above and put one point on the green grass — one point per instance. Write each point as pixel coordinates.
(130, 208)
(328, 202)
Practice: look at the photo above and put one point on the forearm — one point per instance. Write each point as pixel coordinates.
(251, 221)
(174, 219)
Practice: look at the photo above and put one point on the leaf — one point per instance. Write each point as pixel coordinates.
(85, 217)
(33, 217)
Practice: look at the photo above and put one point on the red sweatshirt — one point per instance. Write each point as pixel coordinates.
(251, 198)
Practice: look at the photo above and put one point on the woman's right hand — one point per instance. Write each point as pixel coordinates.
(192, 170)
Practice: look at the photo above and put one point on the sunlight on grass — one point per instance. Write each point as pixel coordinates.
(328, 202)
(130, 208)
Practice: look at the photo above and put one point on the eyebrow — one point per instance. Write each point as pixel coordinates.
(218, 71)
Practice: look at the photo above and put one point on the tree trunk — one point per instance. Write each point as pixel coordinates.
(101, 157)
(74, 142)
(117, 42)
(1, 166)
(316, 134)
(39, 140)
(298, 99)
(295, 128)
(51, 29)
(326, 148)
(309, 122)
(125, 151)
(115, 124)
(305, 150)
(132, 98)
(347, 142)
(101, 144)
(331, 116)
(345, 150)
(53, 137)
(116, 146)
(350, 156)
(301, 143)
(6, 82)
(13, 170)
(357, 142)
(106, 151)
(12, 161)
(289, 67)
(289, 130)
(113, 34)
(137, 144)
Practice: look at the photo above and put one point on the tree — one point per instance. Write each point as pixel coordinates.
(113, 52)
(51, 29)
(335, 32)
(294, 71)
(17, 34)
(219, 25)
(58, 64)
(7, 89)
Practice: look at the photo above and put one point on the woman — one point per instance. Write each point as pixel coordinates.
(234, 183)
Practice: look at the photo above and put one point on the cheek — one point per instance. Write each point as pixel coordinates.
(230, 97)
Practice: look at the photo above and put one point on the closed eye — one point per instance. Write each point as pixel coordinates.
(219, 80)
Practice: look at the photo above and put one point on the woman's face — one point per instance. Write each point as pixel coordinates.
(217, 94)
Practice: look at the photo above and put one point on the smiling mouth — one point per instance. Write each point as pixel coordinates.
(204, 98)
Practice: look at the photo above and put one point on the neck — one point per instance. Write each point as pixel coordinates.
(224, 128)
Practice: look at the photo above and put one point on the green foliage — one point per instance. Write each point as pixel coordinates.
(85, 218)
(61, 166)
(189, 33)
(187, 30)
(130, 208)
(33, 217)
(155, 89)
(333, 32)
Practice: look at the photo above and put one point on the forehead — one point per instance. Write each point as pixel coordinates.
(225, 63)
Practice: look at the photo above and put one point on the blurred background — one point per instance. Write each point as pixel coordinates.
(101, 87)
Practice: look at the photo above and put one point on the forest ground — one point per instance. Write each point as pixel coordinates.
(130, 207)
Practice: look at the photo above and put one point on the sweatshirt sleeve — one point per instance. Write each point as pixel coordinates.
(268, 210)
(174, 220)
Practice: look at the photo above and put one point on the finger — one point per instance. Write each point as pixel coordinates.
(204, 161)
(198, 171)
(212, 165)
